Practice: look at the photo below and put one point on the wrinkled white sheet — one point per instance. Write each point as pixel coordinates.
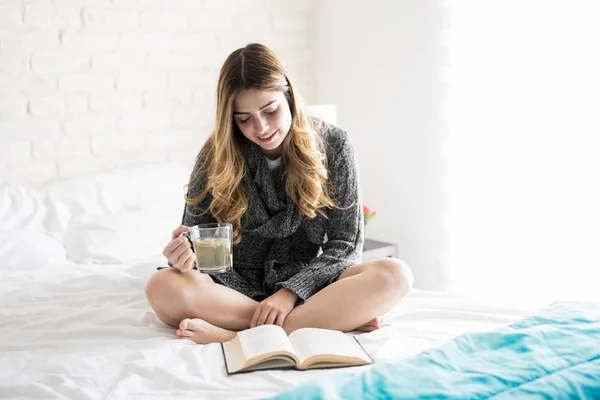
(87, 332)
(74, 321)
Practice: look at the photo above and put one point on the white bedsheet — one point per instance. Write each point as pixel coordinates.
(75, 326)
(87, 332)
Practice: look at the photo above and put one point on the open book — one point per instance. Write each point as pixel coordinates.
(268, 346)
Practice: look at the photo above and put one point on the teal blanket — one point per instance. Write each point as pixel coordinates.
(552, 354)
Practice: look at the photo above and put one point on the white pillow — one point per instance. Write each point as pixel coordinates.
(121, 238)
(25, 242)
(30, 249)
(118, 216)
(21, 208)
(117, 191)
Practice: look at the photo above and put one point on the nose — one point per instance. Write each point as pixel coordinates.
(260, 126)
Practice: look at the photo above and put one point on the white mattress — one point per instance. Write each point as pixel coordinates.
(75, 324)
(87, 332)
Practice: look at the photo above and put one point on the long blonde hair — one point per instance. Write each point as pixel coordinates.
(222, 161)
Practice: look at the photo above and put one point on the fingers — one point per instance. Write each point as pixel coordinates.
(256, 315)
(185, 262)
(179, 253)
(173, 245)
(188, 264)
(280, 319)
(273, 310)
(260, 315)
(267, 316)
(179, 230)
(272, 317)
(262, 319)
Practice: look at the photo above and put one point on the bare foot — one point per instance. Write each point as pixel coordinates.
(202, 332)
(370, 326)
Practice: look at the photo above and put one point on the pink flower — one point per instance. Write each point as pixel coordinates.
(368, 213)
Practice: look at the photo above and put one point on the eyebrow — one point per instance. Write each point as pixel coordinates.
(266, 105)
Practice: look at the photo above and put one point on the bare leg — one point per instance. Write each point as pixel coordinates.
(175, 296)
(353, 302)
(360, 294)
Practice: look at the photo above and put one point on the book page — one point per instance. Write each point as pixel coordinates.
(309, 342)
(271, 364)
(264, 339)
(234, 357)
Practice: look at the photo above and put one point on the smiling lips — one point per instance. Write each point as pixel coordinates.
(267, 138)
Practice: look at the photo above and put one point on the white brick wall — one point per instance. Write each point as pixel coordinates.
(89, 85)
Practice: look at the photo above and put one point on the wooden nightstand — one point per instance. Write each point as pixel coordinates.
(375, 249)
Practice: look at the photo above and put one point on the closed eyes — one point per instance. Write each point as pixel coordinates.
(272, 112)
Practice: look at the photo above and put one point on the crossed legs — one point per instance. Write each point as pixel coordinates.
(207, 312)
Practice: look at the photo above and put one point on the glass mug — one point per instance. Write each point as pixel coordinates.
(212, 245)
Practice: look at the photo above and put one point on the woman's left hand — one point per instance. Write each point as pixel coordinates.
(274, 309)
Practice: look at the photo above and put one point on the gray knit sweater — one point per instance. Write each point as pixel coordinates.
(282, 248)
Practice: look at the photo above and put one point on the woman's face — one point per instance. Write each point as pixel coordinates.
(264, 117)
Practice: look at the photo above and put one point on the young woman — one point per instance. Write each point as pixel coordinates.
(289, 186)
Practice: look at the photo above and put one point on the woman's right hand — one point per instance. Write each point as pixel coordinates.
(179, 252)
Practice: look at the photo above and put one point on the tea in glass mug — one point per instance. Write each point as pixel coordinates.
(212, 244)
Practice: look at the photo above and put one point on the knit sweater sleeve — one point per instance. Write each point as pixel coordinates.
(344, 229)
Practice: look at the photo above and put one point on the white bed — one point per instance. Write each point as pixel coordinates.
(74, 321)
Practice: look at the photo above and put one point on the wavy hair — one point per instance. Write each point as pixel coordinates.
(222, 160)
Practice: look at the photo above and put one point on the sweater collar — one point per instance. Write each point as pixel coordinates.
(273, 213)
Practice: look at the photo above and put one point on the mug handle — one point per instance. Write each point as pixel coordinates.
(189, 239)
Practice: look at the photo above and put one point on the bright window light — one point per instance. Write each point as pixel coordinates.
(523, 113)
